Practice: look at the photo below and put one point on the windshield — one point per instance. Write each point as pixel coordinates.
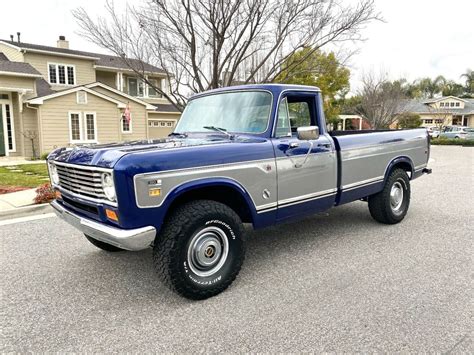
(239, 112)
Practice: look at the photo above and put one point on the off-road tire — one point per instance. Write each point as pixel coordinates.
(174, 242)
(104, 246)
(379, 204)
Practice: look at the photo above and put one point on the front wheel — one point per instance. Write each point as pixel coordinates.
(391, 204)
(201, 249)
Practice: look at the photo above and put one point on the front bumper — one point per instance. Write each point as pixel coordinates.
(128, 239)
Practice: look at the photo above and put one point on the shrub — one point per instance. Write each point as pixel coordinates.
(409, 120)
(44, 156)
(44, 194)
(453, 141)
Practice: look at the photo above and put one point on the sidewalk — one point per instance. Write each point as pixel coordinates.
(7, 161)
(14, 200)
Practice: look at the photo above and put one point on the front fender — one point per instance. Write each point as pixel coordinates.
(210, 182)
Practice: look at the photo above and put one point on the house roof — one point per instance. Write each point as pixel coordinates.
(102, 60)
(18, 68)
(40, 100)
(436, 99)
(45, 93)
(166, 108)
(421, 106)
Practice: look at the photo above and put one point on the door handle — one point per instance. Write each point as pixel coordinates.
(324, 145)
(294, 145)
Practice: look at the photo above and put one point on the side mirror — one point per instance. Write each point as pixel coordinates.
(308, 133)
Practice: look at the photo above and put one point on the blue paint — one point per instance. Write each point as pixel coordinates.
(207, 149)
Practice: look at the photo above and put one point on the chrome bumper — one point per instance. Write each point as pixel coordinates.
(128, 239)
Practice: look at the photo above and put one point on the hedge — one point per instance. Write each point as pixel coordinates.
(453, 141)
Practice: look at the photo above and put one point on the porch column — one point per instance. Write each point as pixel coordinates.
(343, 124)
(360, 123)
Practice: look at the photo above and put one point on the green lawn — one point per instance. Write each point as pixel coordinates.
(39, 173)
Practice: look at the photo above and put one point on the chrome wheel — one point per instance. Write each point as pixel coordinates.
(396, 197)
(208, 251)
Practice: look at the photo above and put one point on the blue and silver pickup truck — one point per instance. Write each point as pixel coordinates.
(257, 154)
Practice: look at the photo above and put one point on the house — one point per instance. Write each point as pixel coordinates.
(55, 96)
(443, 111)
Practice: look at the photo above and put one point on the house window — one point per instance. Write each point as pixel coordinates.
(61, 74)
(457, 104)
(441, 104)
(452, 104)
(90, 126)
(126, 125)
(428, 121)
(163, 124)
(169, 124)
(83, 127)
(438, 121)
(52, 74)
(81, 97)
(151, 91)
(75, 127)
(135, 87)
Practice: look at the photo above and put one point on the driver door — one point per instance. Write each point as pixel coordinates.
(306, 169)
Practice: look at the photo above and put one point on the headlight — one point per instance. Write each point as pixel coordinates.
(53, 173)
(108, 186)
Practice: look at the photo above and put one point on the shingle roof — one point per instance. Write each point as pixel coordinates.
(43, 88)
(3, 56)
(103, 59)
(165, 108)
(17, 68)
(421, 106)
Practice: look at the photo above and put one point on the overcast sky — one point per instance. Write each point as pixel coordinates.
(419, 37)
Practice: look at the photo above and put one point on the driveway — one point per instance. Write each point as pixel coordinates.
(333, 282)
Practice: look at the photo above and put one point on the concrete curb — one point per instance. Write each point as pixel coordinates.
(26, 211)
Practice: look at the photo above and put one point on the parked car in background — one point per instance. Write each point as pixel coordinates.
(433, 131)
(459, 132)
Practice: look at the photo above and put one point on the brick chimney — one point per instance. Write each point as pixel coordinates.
(62, 43)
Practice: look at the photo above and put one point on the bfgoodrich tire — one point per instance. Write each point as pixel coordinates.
(200, 249)
(102, 245)
(391, 204)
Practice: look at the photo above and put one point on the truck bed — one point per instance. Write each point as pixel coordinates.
(364, 157)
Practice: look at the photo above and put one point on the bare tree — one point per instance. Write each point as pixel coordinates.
(381, 100)
(205, 44)
(32, 136)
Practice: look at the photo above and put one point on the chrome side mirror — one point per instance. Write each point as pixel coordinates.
(308, 133)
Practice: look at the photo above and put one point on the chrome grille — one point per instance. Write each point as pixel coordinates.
(81, 181)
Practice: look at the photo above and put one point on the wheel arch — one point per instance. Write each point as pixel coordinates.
(402, 162)
(225, 190)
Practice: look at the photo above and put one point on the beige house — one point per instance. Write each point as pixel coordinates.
(443, 111)
(54, 96)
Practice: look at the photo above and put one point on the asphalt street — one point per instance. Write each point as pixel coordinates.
(335, 282)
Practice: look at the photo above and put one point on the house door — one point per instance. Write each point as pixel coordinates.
(7, 128)
(2, 135)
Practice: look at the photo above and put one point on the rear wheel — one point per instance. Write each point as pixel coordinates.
(200, 250)
(102, 245)
(391, 204)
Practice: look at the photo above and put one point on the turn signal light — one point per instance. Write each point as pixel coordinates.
(154, 192)
(111, 215)
(57, 194)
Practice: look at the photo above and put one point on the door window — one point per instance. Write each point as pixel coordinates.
(283, 122)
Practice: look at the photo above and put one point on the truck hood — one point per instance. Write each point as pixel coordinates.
(107, 155)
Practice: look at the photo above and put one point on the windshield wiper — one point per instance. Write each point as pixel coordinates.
(177, 134)
(219, 129)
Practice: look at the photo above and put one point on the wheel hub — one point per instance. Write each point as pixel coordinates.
(396, 196)
(207, 251)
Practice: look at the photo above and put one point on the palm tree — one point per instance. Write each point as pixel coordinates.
(430, 87)
(469, 75)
